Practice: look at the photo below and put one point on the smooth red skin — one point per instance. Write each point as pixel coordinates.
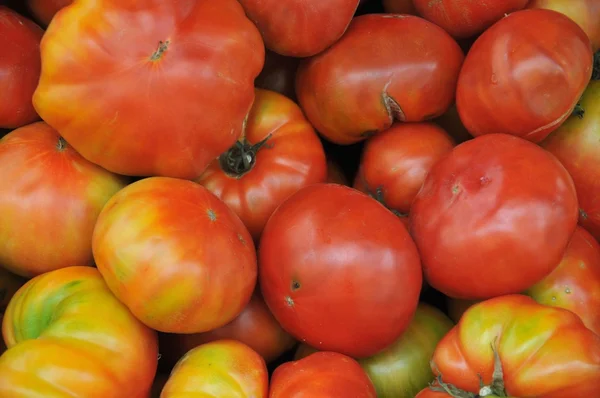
(466, 18)
(493, 217)
(20, 66)
(516, 80)
(358, 269)
(321, 375)
(399, 7)
(405, 59)
(292, 159)
(398, 160)
(585, 12)
(300, 28)
(279, 74)
(44, 10)
(255, 326)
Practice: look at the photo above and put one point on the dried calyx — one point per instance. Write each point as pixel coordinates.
(241, 157)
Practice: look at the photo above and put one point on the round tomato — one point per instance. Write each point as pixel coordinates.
(399, 7)
(358, 86)
(181, 77)
(333, 260)
(176, 255)
(279, 74)
(576, 144)
(395, 162)
(68, 335)
(223, 368)
(51, 199)
(44, 10)
(493, 217)
(516, 80)
(279, 153)
(255, 326)
(321, 375)
(516, 347)
(20, 66)
(314, 25)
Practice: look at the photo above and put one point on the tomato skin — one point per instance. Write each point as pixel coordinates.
(181, 84)
(397, 161)
(321, 375)
(491, 181)
(418, 57)
(399, 7)
(44, 10)
(466, 18)
(515, 80)
(20, 66)
(279, 74)
(576, 144)
(66, 332)
(51, 198)
(343, 231)
(222, 368)
(293, 157)
(176, 255)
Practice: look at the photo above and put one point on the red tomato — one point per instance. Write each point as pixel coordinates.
(279, 74)
(394, 163)
(279, 154)
(44, 10)
(384, 68)
(19, 68)
(466, 18)
(181, 79)
(176, 255)
(517, 80)
(255, 326)
(51, 199)
(493, 217)
(300, 28)
(321, 375)
(399, 7)
(333, 260)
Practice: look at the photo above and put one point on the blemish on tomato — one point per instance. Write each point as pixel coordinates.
(484, 180)
(289, 301)
(211, 214)
(295, 286)
(583, 214)
(241, 238)
(568, 290)
(456, 189)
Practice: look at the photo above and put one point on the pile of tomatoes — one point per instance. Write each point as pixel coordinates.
(285, 199)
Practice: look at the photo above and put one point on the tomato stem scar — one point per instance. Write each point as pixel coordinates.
(241, 157)
(162, 47)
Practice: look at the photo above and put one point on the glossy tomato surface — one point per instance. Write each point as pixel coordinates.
(20, 66)
(493, 217)
(332, 261)
(176, 255)
(44, 10)
(69, 336)
(279, 153)
(223, 368)
(181, 82)
(385, 68)
(517, 80)
(51, 199)
(321, 375)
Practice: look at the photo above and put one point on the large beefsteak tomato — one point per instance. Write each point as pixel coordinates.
(279, 153)
(176, 255)
(339, 271)
(386, 67)
(493, 217)
(68, 336)
(51, 198)
(44, 10)
(517, 80)
(181, 79)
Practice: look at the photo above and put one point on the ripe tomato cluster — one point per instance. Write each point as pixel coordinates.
(285, 199)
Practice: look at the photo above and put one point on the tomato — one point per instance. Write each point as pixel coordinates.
(44, 10)
(300, 28)
(51, 199)
(576, 144)
(20, 66)
(399, 7)
(585, 12)
(181, 82)
(429, 393)
(321, 375)
(516, 80)
(335, 174)
(279, 154)
(333, 260)
(520, 348)
(279, 74)
(466, 18)
(394, 163)
(69, 336)
(498, 202)
(176, 255)
(358, 86)
(223, 368)
(255, 327)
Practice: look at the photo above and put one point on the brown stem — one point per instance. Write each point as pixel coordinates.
(378, 196)
(241, 157)
(578, 111)
(596, 73)
(162, 48)
(61, 144)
